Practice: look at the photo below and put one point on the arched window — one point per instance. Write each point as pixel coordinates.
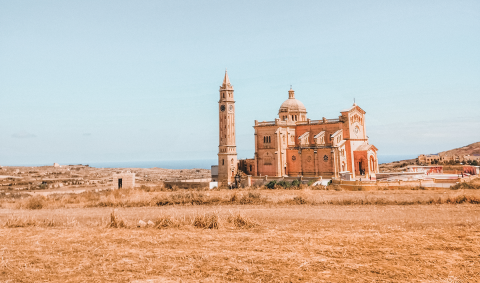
(223, 161)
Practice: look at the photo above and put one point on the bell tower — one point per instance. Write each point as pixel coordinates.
(227, 150)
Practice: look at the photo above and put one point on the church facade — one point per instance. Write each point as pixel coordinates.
(294, 145)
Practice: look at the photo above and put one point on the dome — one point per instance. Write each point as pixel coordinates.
(292, 104)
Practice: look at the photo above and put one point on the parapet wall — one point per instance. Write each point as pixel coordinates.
(440, 183)
(260, 181)
(188, 184)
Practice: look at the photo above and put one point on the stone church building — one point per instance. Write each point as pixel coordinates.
(294, 145)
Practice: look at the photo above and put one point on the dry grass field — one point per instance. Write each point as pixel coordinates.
(249, 196)
(330, 236)
(254, 235)
(419, 243)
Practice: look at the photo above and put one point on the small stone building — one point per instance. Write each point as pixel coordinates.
(214, 173)
(124, 181)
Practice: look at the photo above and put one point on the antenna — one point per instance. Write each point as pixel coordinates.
(290, 86)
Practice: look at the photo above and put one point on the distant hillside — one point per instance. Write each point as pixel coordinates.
(400, 165)
(470, 149)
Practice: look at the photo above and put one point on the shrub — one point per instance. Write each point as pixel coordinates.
(271, 185)
(296, 183)
(36, 202)
(284, 184)
(465, 185)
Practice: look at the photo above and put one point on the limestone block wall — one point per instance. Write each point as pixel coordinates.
(124, 181)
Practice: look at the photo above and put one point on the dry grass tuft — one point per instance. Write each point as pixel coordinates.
(240, 221)
(166, 221)
(299, 200)
(116, 222)
(247, 198)
(206, 221)
(19, 222)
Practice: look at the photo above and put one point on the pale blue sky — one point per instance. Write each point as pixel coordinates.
(95, 81)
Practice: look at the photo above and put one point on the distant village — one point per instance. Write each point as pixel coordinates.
(448, 159)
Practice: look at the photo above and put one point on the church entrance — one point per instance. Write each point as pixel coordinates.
(361, 168)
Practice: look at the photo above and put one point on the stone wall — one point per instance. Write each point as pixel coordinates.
(127, 181)
(187, 185)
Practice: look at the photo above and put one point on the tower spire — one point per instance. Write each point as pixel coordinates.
(227, 150)
(226, 80)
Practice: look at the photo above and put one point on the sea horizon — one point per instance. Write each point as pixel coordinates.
(184, 164)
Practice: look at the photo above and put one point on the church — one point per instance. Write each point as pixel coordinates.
(294, 145)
